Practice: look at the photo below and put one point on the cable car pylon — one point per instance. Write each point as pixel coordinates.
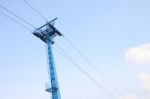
(46, 33)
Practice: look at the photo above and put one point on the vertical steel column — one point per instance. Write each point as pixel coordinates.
(52, 73)
(46, 33)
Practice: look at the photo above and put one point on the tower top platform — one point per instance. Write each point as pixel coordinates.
(47, 32)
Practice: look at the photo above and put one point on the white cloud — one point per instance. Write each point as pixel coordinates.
(139, 54)
(145, 80)
(130, 96)
(143, 93)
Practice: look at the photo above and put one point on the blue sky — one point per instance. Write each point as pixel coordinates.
(113, 34)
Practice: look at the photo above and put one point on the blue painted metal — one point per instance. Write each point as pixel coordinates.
(53, 76)
(47, 33)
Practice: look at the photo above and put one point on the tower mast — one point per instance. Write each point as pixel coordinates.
(46, 33)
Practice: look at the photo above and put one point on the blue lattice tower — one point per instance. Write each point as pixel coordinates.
(47, 33)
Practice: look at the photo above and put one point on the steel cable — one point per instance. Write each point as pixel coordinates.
(15, 21)
(34, 9)
(91, 65)
(63, 53)
(17, 16)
